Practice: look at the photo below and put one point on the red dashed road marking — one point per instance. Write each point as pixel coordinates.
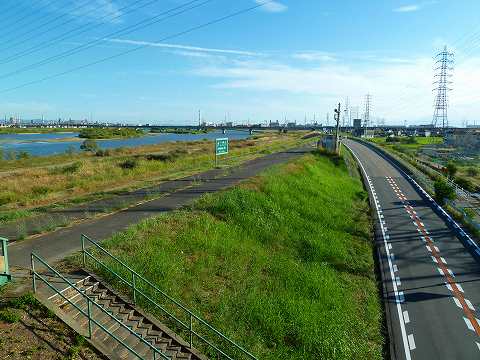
(440, 261)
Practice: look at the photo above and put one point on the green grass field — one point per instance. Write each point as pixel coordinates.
(283, 263)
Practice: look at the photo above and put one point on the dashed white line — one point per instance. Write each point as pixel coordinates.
(411, 342)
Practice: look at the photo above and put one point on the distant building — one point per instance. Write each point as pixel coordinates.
(357, 127)
(291, 124)
(463, 138)
(274, 124)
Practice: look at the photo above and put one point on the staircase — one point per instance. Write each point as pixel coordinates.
(115, 324)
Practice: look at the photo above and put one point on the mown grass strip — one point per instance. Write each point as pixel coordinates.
(283, 264)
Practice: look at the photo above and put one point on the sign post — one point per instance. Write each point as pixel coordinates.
(4, 270)
(221, 148)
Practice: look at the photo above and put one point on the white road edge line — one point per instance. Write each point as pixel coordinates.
(406, 344)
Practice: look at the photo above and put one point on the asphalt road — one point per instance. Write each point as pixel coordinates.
(61, 243)
(431, 280)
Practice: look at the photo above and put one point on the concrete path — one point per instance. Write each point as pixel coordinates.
(59, 244)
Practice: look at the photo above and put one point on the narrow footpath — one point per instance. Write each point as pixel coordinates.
(57, 245)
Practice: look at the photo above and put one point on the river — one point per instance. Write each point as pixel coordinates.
(57, 143)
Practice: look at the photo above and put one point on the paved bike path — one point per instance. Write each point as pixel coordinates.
(63, 242)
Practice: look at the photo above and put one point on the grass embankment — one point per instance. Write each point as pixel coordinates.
(44, 181)
(283, 263)
(109, 133)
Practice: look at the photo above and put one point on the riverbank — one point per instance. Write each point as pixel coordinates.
(278, 264)
(81, 177)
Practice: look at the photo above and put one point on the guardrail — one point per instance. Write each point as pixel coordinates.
(134, 283)
(157, 354)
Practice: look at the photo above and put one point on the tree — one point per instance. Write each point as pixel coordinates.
(451, 169)
(443, 191)
(89, 145)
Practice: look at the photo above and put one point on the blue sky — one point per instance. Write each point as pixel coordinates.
(286, 59)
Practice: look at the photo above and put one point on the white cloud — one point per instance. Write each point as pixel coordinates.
(407, 8)
(314, 56)
(272, 6)
(401, 90)
(185, 49)
(414, 7)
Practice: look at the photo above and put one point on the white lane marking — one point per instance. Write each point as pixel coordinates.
(399, 282)
(401, 296)
(459, 287)
(403, 332)
(443, 260)
(441, 271)
(457, 302)
(449, 287)
(451, 273)
(434, 260)
(406, 317)
(478, 345)
(395, 268)
(428, 248)
(389, 246)
(469, 324)
(469, 304)
(411, 342)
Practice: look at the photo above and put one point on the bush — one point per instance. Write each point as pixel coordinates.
(10, 316)
(129, 164)
(22, 155)
(89, 145)
(471, 171)
(443, 191)
(40, 190)
(465, 184)
(102, 153)
(451, 169)
(411, 140)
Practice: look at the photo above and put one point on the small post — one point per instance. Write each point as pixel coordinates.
(89, 310)
(5, 255)
(133, 289)
(191, 331)
(84, 260)
(34, 283)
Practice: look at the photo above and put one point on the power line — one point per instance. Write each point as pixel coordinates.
(58, 17)
(18, 21)
(75, 32)
(192, 29)
(129, 29)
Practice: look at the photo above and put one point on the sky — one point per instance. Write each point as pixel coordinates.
(161, 61)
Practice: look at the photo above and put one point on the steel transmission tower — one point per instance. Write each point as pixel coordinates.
(443, 73)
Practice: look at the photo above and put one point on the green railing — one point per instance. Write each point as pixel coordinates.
(190, 319)
(5, 276)
(157, 354)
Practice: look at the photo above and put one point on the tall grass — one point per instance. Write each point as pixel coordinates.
(26, 186)
(283, 263)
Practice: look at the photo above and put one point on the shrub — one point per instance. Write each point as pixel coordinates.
(471, 171)
(451, 169)
(40, 190)
(89, 145)
(465, 184)
(70, 150)
(22, 155)
(443, 191)
(129, 164)
(10, 316)
(102, 153)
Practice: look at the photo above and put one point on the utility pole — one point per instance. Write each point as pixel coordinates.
(345, 112)
(337, 131)
(328, 119)
(443, 69)
(366, 120)
(199, 118)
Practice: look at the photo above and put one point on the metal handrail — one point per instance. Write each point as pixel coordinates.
(131, 284)
(89, 314)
